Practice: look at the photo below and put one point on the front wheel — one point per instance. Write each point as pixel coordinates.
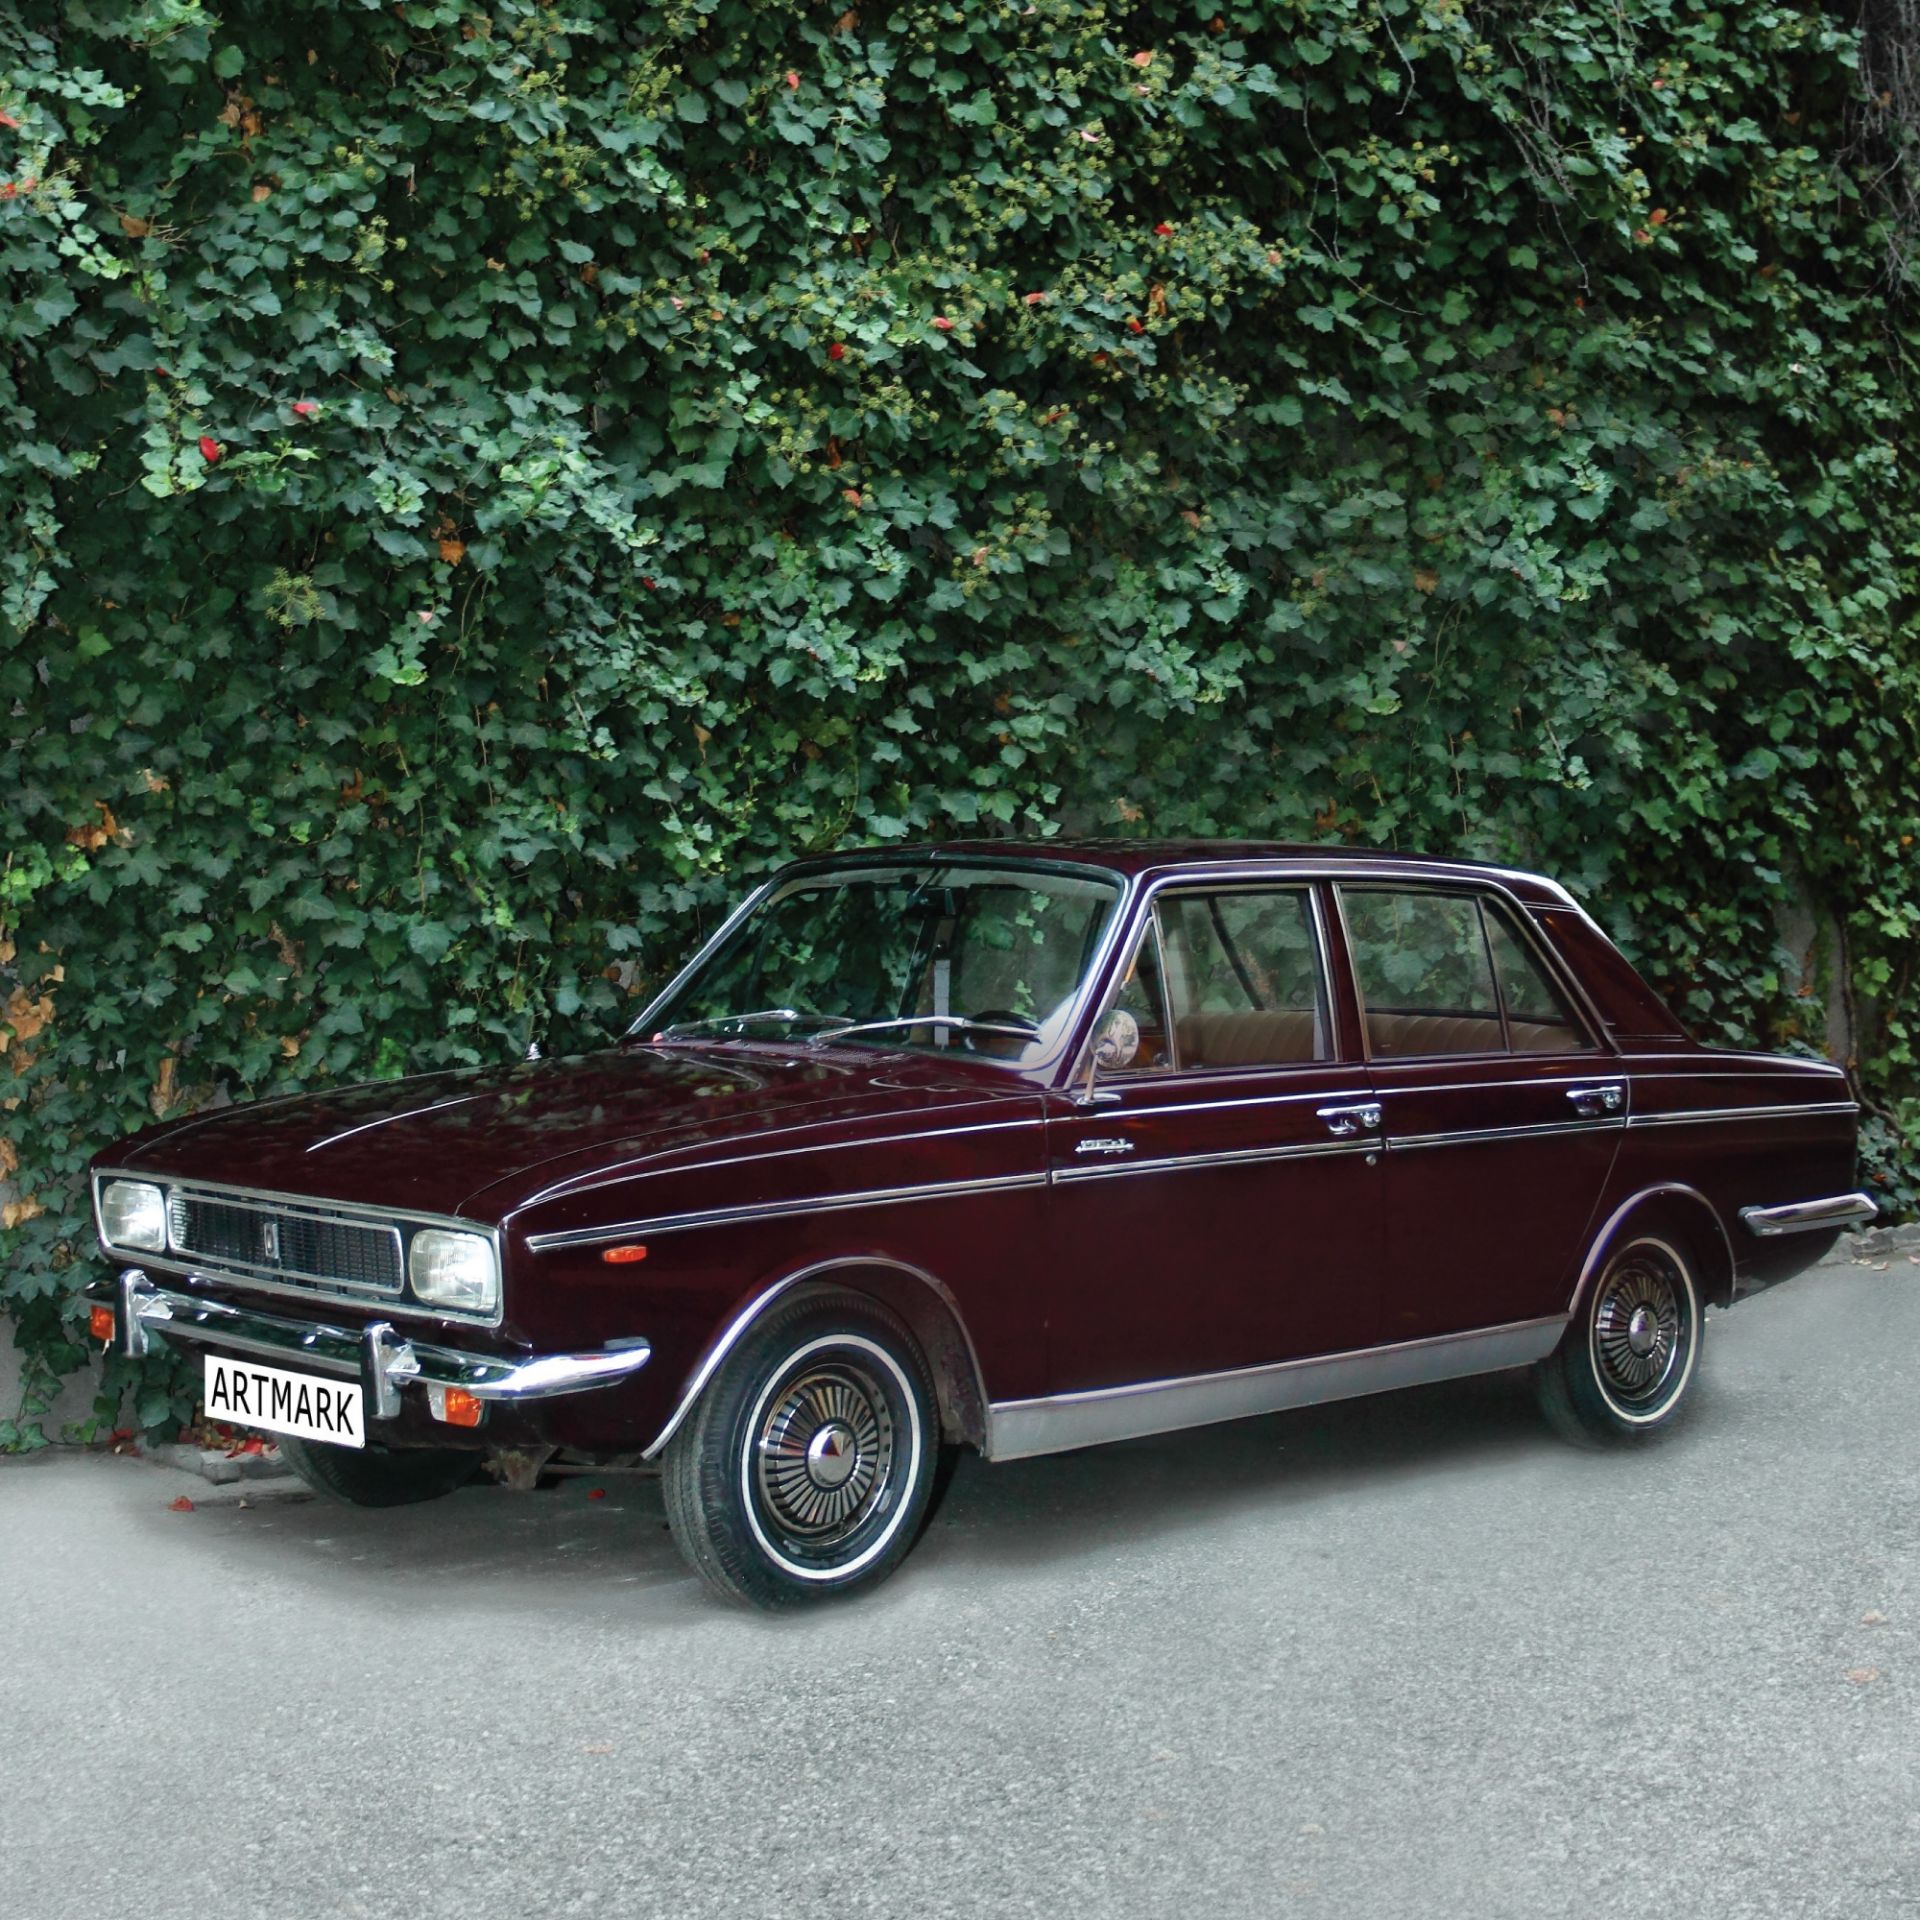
(1624, 1366)
(807, 1466)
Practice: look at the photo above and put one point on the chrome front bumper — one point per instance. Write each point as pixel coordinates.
(379, 1356)
(1811, 1216)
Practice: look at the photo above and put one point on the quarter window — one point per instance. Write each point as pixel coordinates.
(1538, 1017)
(1143, 994)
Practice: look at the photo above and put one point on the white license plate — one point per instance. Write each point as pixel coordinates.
(244, 1395)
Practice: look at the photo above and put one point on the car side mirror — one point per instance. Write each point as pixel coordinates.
(1115, 1046)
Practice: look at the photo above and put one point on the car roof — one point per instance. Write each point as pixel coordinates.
(1158, 858)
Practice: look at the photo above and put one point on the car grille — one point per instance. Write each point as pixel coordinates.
(285, 1244)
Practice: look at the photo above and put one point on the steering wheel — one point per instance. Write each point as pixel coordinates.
(1000, 1017)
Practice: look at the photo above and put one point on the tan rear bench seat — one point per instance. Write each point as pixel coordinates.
(1280, 1039)
(1403, 1034)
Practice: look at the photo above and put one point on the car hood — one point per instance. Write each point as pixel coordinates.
(471, 1143)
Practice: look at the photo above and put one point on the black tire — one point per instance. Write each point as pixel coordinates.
(1623, 1370)
(805, 1469)
(373, 1477)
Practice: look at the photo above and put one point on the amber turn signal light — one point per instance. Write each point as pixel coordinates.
(100, 1323)
(623, 1256)
(455, 1405)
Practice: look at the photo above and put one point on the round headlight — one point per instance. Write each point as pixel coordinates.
(454, 1270)
(133, 1214)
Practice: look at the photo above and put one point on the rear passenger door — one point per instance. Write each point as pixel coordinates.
(1219, 1207)
(1501, 1109)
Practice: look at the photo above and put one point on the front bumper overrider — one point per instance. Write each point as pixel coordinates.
(382, 1358)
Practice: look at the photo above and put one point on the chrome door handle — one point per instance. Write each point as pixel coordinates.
(1344, 1122)
(1593, 1101)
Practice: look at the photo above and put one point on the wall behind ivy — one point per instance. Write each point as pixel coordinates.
(482, 481)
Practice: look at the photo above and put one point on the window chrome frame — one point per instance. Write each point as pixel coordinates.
(1599, 1040)
(1178, 1070)
(1120, 917)
(1305, 869)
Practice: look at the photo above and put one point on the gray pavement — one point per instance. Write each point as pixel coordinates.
(1404, 1657)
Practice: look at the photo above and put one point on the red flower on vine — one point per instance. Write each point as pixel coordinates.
(941, 321)
(305, 407)
(210, 448)
(1163, 228)
(837, 351)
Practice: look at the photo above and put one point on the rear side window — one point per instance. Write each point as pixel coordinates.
(1446, 973)
(1538, 1017)
(1424, 973)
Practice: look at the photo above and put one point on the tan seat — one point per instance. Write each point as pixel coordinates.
(1250, 1039)
(1409, 1035)
(1545, 1036)
(1413, 1034)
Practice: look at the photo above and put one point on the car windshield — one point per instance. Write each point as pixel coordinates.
(987, 960)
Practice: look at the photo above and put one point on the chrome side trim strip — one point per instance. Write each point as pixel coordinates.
(1405, 1143)
(761, 1301)
(1226, 1157)
(378, 1355)
(1127, 1080)
(777, 1210)
(1810, 1216)
(1388, 1086)
(1690, 1115)
(1023, 1428)
(653, 1166)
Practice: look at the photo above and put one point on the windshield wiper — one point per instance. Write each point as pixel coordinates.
(1021, 1032)
(684, 1029)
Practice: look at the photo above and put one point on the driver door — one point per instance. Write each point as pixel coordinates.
(1220, 1206)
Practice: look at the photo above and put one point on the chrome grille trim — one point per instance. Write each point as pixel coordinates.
(291, 1242)
(401, 1223)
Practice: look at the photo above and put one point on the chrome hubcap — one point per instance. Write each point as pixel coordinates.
(824, 1454)
(832, 1455)
(1643, 1332)
(1639, 1326)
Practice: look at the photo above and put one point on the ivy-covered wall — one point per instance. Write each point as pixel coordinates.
(482, 480)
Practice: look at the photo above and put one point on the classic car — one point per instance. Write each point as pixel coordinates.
(1018, 1147)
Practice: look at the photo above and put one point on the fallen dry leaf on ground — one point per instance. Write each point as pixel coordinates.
(1863, 1676)
(181, 1505)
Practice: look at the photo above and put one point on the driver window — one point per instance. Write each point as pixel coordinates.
(1244, 978)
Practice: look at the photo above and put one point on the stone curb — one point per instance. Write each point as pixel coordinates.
(220, 1468)
(1874, 1244)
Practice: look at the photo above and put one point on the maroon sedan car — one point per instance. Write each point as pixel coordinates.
(1016, 1147)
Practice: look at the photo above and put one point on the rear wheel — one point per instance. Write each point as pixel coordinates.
(806, 1469)
(1624, 1366)
(373, 1477)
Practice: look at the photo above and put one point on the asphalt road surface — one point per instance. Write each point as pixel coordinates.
(1403, 1657)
